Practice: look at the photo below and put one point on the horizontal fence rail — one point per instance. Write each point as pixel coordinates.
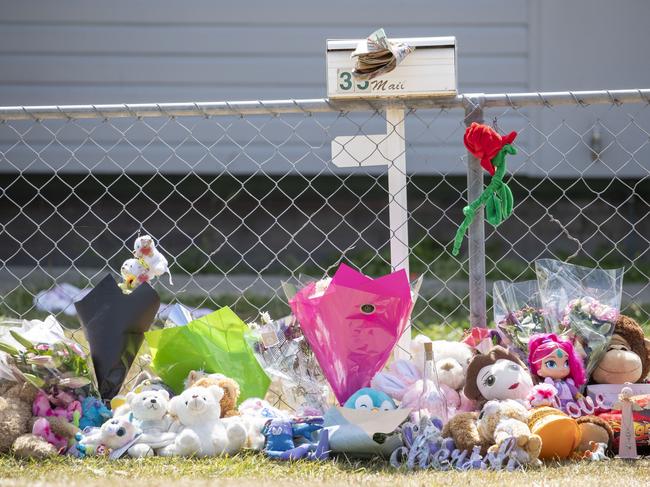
(320, 105)
(242, 196)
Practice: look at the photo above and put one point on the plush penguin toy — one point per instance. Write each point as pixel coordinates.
(370, 399)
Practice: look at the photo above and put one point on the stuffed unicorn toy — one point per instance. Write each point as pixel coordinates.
(403, 382)
(442, 395)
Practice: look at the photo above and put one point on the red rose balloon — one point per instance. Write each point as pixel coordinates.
(484, 143)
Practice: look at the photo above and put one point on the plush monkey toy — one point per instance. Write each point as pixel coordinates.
(628, 356)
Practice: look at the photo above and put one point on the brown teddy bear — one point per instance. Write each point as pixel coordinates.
(628, 356)
(228, 403)
(463, 430)
(496, 375)
(16, 422)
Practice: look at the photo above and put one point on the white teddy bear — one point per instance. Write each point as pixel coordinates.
(145, 250)
(202, 433)
(147, 264)
(149, 413)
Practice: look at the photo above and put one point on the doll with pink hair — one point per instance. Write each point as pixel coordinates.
(555, 362)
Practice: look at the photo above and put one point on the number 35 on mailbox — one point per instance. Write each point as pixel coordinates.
(430, 70)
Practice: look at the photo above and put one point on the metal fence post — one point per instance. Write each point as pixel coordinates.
(476, 233)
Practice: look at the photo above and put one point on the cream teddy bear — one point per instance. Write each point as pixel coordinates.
(451, 360)
(202, 432)
(16, 423)
(500, 420)
(149, 413)
(134, 273)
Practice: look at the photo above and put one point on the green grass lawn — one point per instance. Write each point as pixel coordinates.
(254, 469)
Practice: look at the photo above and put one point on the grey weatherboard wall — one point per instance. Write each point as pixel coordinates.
(93, 52)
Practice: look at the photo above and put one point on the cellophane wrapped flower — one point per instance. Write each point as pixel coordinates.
(591, 324)
(60, 362)
(518, 314)
(354, 324)
(589, 308)
(298, 382)
(582, 304)
(519, 325)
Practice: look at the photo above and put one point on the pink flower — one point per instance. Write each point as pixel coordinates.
(476, 335)
(479, 339)
(591, 307)
(43, 347)
(77, 349)
(542, 395)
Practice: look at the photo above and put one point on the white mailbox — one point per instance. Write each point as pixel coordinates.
(430, 70)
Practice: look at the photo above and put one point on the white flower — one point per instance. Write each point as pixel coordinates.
(74, 382)
(42, 361)
(320, 287)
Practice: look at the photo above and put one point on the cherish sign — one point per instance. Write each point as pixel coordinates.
(425, 448)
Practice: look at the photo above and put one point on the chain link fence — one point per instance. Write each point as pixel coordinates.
(242, 196)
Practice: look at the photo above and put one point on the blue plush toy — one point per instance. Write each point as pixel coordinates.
(93, 413)
(281, 435)
(370, 399)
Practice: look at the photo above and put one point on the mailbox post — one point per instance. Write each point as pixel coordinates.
(428, 71)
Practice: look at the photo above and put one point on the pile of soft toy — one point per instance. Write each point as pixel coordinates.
(326, 381)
